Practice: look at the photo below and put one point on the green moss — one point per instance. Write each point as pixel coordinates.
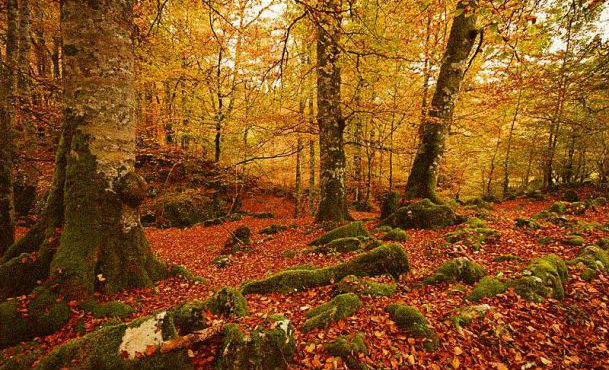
(354, 229)
(108, 309)
(487, 287)
(527, 223)
(238, 238)
(273, 229)
(228, 301)
(589, 274)
(574, 240)
(349, 348)
(411, 321)
(221, 261)
(354, 284)
(342, 245)
(473, 237)
(20, 357)
(183, 209)
(386, 259)
(542, 278)
(544, 240)
(397, 235)
(594, 258)
(390, 202)
(506, 258)
(339, 307)
(383, 229)
(271, 349)
(459, 269)
(477, 202)
(466, 315)
(423, 215)
(558, 207)
(179, 270)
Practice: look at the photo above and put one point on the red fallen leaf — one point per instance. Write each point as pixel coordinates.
(150, 350)
(73, 303)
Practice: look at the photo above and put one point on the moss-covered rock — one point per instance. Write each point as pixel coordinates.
(542, 278)
(527, 223)
(477, 202)
(386, 259)
(423, 215)
(349, 348)
(594, 258)
(465, 316)
(261, 349)
(342, 245)
(183, 209)
(339, 307)
(237, 240)
(108, 309)
(506, 258)
(121, 346)
(576, 240)
(458, 269)
(352, 230)
(397, 235)
(411, 321)
(229, 302)
(362, 286)
(390, 202)
(487, 287)
(221, 261)
(472, 236)
(273, 229)
(42, 313)
(558, 207)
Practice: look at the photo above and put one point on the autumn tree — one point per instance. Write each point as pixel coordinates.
(95, 190)
(332, 199)
(422, 180)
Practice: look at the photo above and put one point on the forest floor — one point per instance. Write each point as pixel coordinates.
(515, 334)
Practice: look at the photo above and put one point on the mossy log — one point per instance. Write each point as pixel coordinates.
(387, 259)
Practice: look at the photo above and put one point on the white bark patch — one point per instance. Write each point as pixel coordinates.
(149, 333)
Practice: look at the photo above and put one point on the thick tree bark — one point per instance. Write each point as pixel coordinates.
(7, 123)
(422, 180)
(332, 200)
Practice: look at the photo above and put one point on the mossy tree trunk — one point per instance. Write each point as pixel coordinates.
(332, 201)
(422, 180)
(7, 122)
(95, 190)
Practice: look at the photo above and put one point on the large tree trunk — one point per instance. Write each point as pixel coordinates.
(7, 121)
(423, 175)
(332, 201)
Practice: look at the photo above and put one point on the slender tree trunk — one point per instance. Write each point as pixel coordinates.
(527, 174)
(298, 186)
(7, 123)
(489, 185)
(357, 137)
(332, 201)
(25, 93)
(422, 180)
(506, 163)
(311, 114)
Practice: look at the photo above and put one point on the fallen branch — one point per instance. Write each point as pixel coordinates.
(188, 340)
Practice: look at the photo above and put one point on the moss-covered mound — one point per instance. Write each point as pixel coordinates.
(542, 278)
(183, 209)
(466, 315)
(474, 235)
(237, 240)
(363, 286)
(486, 288)
(352, 230)
(339, 307)
(342, 245)
(573, 239)
(411, 321)
(42, 313)
(108, 309)
(506, 258)
(458, 269)
(229, 302)
(122, 346)
(390, 202)
(528, 223)
(386, 259)
(349, 348)
(262, 349)
(220, 261)
(273, 229)
(423, 215)
(397, 235)
(20, 357)
(477, 202)
(595, 259)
